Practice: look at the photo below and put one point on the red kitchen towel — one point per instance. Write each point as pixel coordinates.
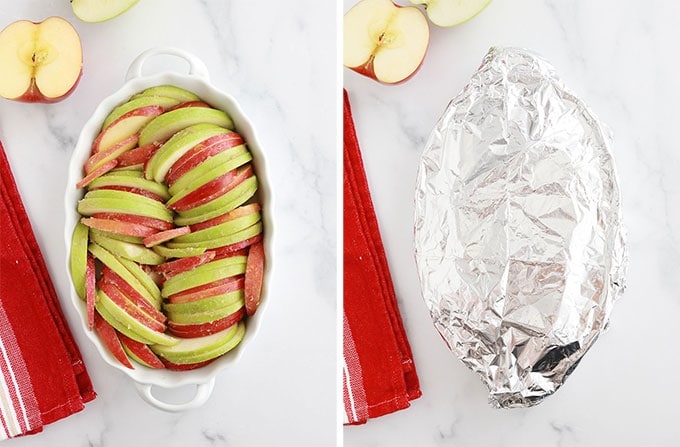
(43, 377)
(379, 376)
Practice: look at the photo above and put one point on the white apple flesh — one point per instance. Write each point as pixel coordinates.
(100, 10)
(384, 41)
(41, 62)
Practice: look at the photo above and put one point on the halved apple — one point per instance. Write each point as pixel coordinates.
(452, 12)
(41, 62)
(384, 41)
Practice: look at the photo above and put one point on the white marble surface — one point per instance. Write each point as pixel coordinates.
(278, 60)
(621, 57)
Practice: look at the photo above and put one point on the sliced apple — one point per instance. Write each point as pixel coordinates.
(100, 10)
(140, 352)
(41, 62)
(230, 250)
(110, 154)
(125, 126)
(207, 316)
(204, 274)
(130, 181)
(194, 350)
(384, 41)
(110, 339)
(222, 241)
(169, 123)
(150, 222)
(163, 101)
(203, 329)
(129, 307)
(236, 197)
(139, 156)
(178, 145)
(209, 191)
(452, 12)
(165, 236)
(209, 170)
(204, 305)
(111, 261)
(222, 286)
(185, 252)
(78, 258)
(190, 104)
(185, 367)
(109, 276)
(254, 277)
(117, 227)
(101, 170)
(227, 228)
(111, 201)
(201, 152)
(90, 290)
(171, 268)
(233, 214)
(169, 91)
(120, 237)
(133, 252)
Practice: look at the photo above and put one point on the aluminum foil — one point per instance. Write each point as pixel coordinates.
(518, 228)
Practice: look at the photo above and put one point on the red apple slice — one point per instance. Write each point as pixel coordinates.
(114, 226)
(199, 153)
(150, 222)
(138, 156)
(41, 62)
(384, 41)
(172, 268)
(110, 339)
(203, 329)
(233, 214)
(90, 290)
(138, 191)
(109, 276)
(111, 153)
(254, 276)
(182, 105)
(129, 124)
(185, 367)
(211, 190)
(235, 249)
(164, 236)
(130, 307)
(141, 351)
(101, 170)
(206, 290)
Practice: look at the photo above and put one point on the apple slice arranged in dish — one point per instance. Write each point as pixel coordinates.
(41, 62)
(168, 252)
(384, 41)
(452, 12)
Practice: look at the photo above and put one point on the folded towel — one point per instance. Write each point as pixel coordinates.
(42, 375)
(379, 376)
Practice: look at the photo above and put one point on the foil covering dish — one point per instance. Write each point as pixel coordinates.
(519, 242)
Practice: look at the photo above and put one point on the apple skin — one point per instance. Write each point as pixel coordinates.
(139, 155)
(225, 285)
(94, 174)
(211, 190)
(109, 276)
(186, 367)
(140, 352)
(206, 273)
(194, 350)
(254, 276)
(90, 290)
(125, 126)
(190, 104)
(78, 258)
(169, 269)
(118, 227)
(110, 339)
(33, 94)
(216, 207)
(164, 236)
(233, 214)
(231, 250)
(129, 307)
(201, 330)
(150, 222)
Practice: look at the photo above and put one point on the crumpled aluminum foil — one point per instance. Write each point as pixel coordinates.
(518, 228)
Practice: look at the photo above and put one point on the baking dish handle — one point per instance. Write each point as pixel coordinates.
(196, 66)
(203, 392)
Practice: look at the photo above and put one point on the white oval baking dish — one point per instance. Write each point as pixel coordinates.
(197, 81)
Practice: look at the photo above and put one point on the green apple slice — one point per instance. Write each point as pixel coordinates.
(451, 12)
(209, 304)
(131, 181)
(133, 252)
(233, 238)
(195, 350)
(118, 325)
(227, 228)
(169, 91)
(209, 170)
(100, 10)
(119, 237)
(144, 278)
(78, 259)
(167, 124)
(206, 316)
(136, 330)
(173, 149)
(185, 252)
(221, 205)
(113, 201)
(143, 101)
(204, 274)
(121, 269)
